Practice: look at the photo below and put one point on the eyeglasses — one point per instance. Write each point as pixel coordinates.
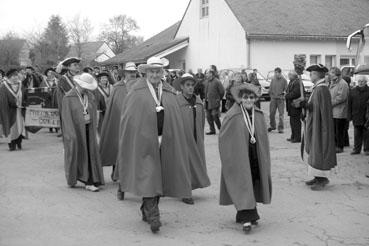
(248, 97)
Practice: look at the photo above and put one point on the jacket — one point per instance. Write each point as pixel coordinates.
(339, 94)
(214, 92)
(293, 92)
(357, 105)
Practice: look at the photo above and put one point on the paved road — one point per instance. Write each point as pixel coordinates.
(37, 208)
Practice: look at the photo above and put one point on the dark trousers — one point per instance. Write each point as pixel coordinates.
(275, 104)
(346, 136)
(212, 115)
(295, 123)
(224, 109)
(361, 135)
(247, 215)
(150, 208)
(339, 132)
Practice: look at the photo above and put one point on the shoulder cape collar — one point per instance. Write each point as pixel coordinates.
(141, 84)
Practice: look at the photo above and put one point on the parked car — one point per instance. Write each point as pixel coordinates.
(308, 85)
(262, 80)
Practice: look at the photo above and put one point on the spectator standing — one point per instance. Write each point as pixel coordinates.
(277, 91)
(339, 94)
(199, 87)
(357, 108)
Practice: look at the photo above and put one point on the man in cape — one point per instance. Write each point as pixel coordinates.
(11, 110)
(110, 127)
(193, 115)
(245, 156)
(319, 130)
(66, 82)
(152, 156)
(79, 117)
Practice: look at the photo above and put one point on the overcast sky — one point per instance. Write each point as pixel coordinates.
(152, 16)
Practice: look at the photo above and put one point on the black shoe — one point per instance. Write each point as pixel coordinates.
(155, 225)
(254, 222)
(210, 133)
(311, 182)
(319, 185)
(280, 131)
(120, 195)
(19, 144)
(271, 129)
(289, 139)
(189, 201)
(296, 141)
(246, 227)
(11, 146)
(339, 150)
(355, 152)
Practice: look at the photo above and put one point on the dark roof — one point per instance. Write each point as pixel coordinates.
(300, 18)
(88, 50)
(150, 47)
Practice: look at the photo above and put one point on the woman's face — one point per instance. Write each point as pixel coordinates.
(104, 80)
(248, 100)
(238, 78)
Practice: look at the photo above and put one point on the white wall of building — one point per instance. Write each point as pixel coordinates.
(268, 54)
(217, 39)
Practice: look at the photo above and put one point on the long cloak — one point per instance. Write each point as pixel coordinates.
(64, 85)
(110, 127)
(145, 169)
(236, 185)
(319, 130)
(74, 138)
(11, 116)
(196, 149)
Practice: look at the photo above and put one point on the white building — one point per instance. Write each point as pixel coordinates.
(260, 34)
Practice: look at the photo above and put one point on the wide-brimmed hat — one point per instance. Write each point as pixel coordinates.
(70, 60)
(318, 68)
(185, 77)
(130, 66)
(86, 81)
(235, 90)
(103, 73)
(153, 62)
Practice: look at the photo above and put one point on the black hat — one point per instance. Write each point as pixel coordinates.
(70, 60)
(30, 67)
(103, 73)
(11, 72)
(87, 69)
(49, 69)
(186, 77)
(318, 68)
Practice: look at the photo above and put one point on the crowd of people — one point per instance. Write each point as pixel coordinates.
(148, 122)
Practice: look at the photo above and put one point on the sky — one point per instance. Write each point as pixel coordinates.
(26, 16)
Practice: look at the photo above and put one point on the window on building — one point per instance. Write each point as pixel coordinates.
(347, 61)
(204, 8)
(330, 61)
(315, 59)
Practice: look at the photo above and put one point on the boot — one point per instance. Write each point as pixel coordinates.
(19, 142)
(11, 146)
(151, 213)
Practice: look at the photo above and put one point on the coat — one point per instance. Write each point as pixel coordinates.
(236, 185)
(214, 92)
(319, 129)
(293, 92)
(357, 105)
(196, 148)
(110, 127)
(65, 84)
(145, 169)
(74, 138)
(339, 95)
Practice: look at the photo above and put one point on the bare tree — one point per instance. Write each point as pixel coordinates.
(117, 33)
(79, 31)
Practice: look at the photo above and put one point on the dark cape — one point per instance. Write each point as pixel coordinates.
(76, 159)
(110, 127)
(236, 185)
(319, 130)
(8, 110)
(145, 169)
(196, 149)
(63, 87)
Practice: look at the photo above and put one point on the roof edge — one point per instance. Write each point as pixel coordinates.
(180, 23)
(293, 37)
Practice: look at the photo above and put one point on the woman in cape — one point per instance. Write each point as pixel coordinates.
(12, 123)
(81, 154)
(245, 157)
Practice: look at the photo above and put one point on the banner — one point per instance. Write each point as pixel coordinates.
(42, 117)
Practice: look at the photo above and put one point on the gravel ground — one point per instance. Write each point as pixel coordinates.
(37, 207)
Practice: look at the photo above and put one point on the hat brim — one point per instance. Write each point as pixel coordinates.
(317, 68)
(184, 79)
(143, 67)
(235, 90)
(130, 69)
(87, 86)
(71, 60)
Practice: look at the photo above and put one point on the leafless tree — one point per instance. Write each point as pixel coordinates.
(79, 31)
(117, 33)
